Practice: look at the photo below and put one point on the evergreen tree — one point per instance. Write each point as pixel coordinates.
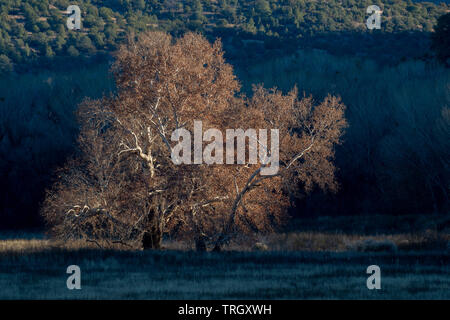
(441, 39)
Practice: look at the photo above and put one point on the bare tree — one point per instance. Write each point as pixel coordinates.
(125, 186)
(307, 134)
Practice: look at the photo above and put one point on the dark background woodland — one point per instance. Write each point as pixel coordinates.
(394, 81)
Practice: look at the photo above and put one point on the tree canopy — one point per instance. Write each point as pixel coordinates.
(126, 183)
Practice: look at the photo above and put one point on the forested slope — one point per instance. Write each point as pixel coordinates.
(35, 30)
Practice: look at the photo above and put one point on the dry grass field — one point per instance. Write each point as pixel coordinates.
(293, 265)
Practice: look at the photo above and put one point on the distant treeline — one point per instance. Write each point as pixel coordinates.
(395, 158)
(35, 32)
(38, 132)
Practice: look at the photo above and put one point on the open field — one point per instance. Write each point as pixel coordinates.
(36, 269)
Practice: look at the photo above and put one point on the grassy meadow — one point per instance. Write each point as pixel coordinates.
(305, 264)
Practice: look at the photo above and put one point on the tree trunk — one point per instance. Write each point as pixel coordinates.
(152, 238)
(218, 244)
(200, 244)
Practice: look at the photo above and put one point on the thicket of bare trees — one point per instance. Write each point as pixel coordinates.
(123, 186)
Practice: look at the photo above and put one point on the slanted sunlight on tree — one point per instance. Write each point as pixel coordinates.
(123, 186)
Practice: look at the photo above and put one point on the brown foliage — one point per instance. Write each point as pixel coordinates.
(125, 184)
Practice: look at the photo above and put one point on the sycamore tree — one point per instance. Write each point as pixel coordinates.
(127, 186)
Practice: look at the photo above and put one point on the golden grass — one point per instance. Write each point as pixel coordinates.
(338, 242)
(293, 241)
(37, 245)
